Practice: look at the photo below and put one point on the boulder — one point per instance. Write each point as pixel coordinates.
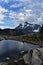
(34, 56)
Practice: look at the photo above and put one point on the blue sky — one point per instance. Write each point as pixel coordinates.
(14, 12)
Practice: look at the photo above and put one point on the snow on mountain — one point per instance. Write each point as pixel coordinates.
(28, 27)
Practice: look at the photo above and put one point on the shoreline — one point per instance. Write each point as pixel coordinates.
(18, 38)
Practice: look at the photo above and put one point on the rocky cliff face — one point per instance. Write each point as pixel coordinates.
(34, 57)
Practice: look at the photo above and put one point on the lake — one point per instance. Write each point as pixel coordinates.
(11, 48)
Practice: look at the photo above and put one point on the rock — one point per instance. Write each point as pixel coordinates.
(21, 61)
(36, 60)
(34, 56)
(7, 58)
(15, 61)
(28, 57)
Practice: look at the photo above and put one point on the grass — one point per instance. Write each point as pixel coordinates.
(29, 38)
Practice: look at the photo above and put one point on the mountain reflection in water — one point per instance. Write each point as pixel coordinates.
(11, 48)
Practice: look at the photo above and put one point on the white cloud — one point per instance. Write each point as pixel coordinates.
(28, 10)
(16, 16)
(1, 22)
(21, 16)
(16, 5)
(12, 14)
(1, 16)
(32, 11)
(40, 19)
(3, 10)
(3, 27)
(6, 1)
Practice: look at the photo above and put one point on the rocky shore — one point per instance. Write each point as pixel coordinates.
(34, 57)
(30, 57)
(19, 38)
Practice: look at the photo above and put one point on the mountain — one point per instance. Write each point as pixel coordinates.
(36, 28)
(28, 28)
(21, 29)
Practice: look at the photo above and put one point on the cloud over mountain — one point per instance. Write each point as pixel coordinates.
(13, 12)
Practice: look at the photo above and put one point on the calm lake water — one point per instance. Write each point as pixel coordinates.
(11, 48)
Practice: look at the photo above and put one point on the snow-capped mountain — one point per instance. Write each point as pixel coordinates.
(21, 29)
(28, 27)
